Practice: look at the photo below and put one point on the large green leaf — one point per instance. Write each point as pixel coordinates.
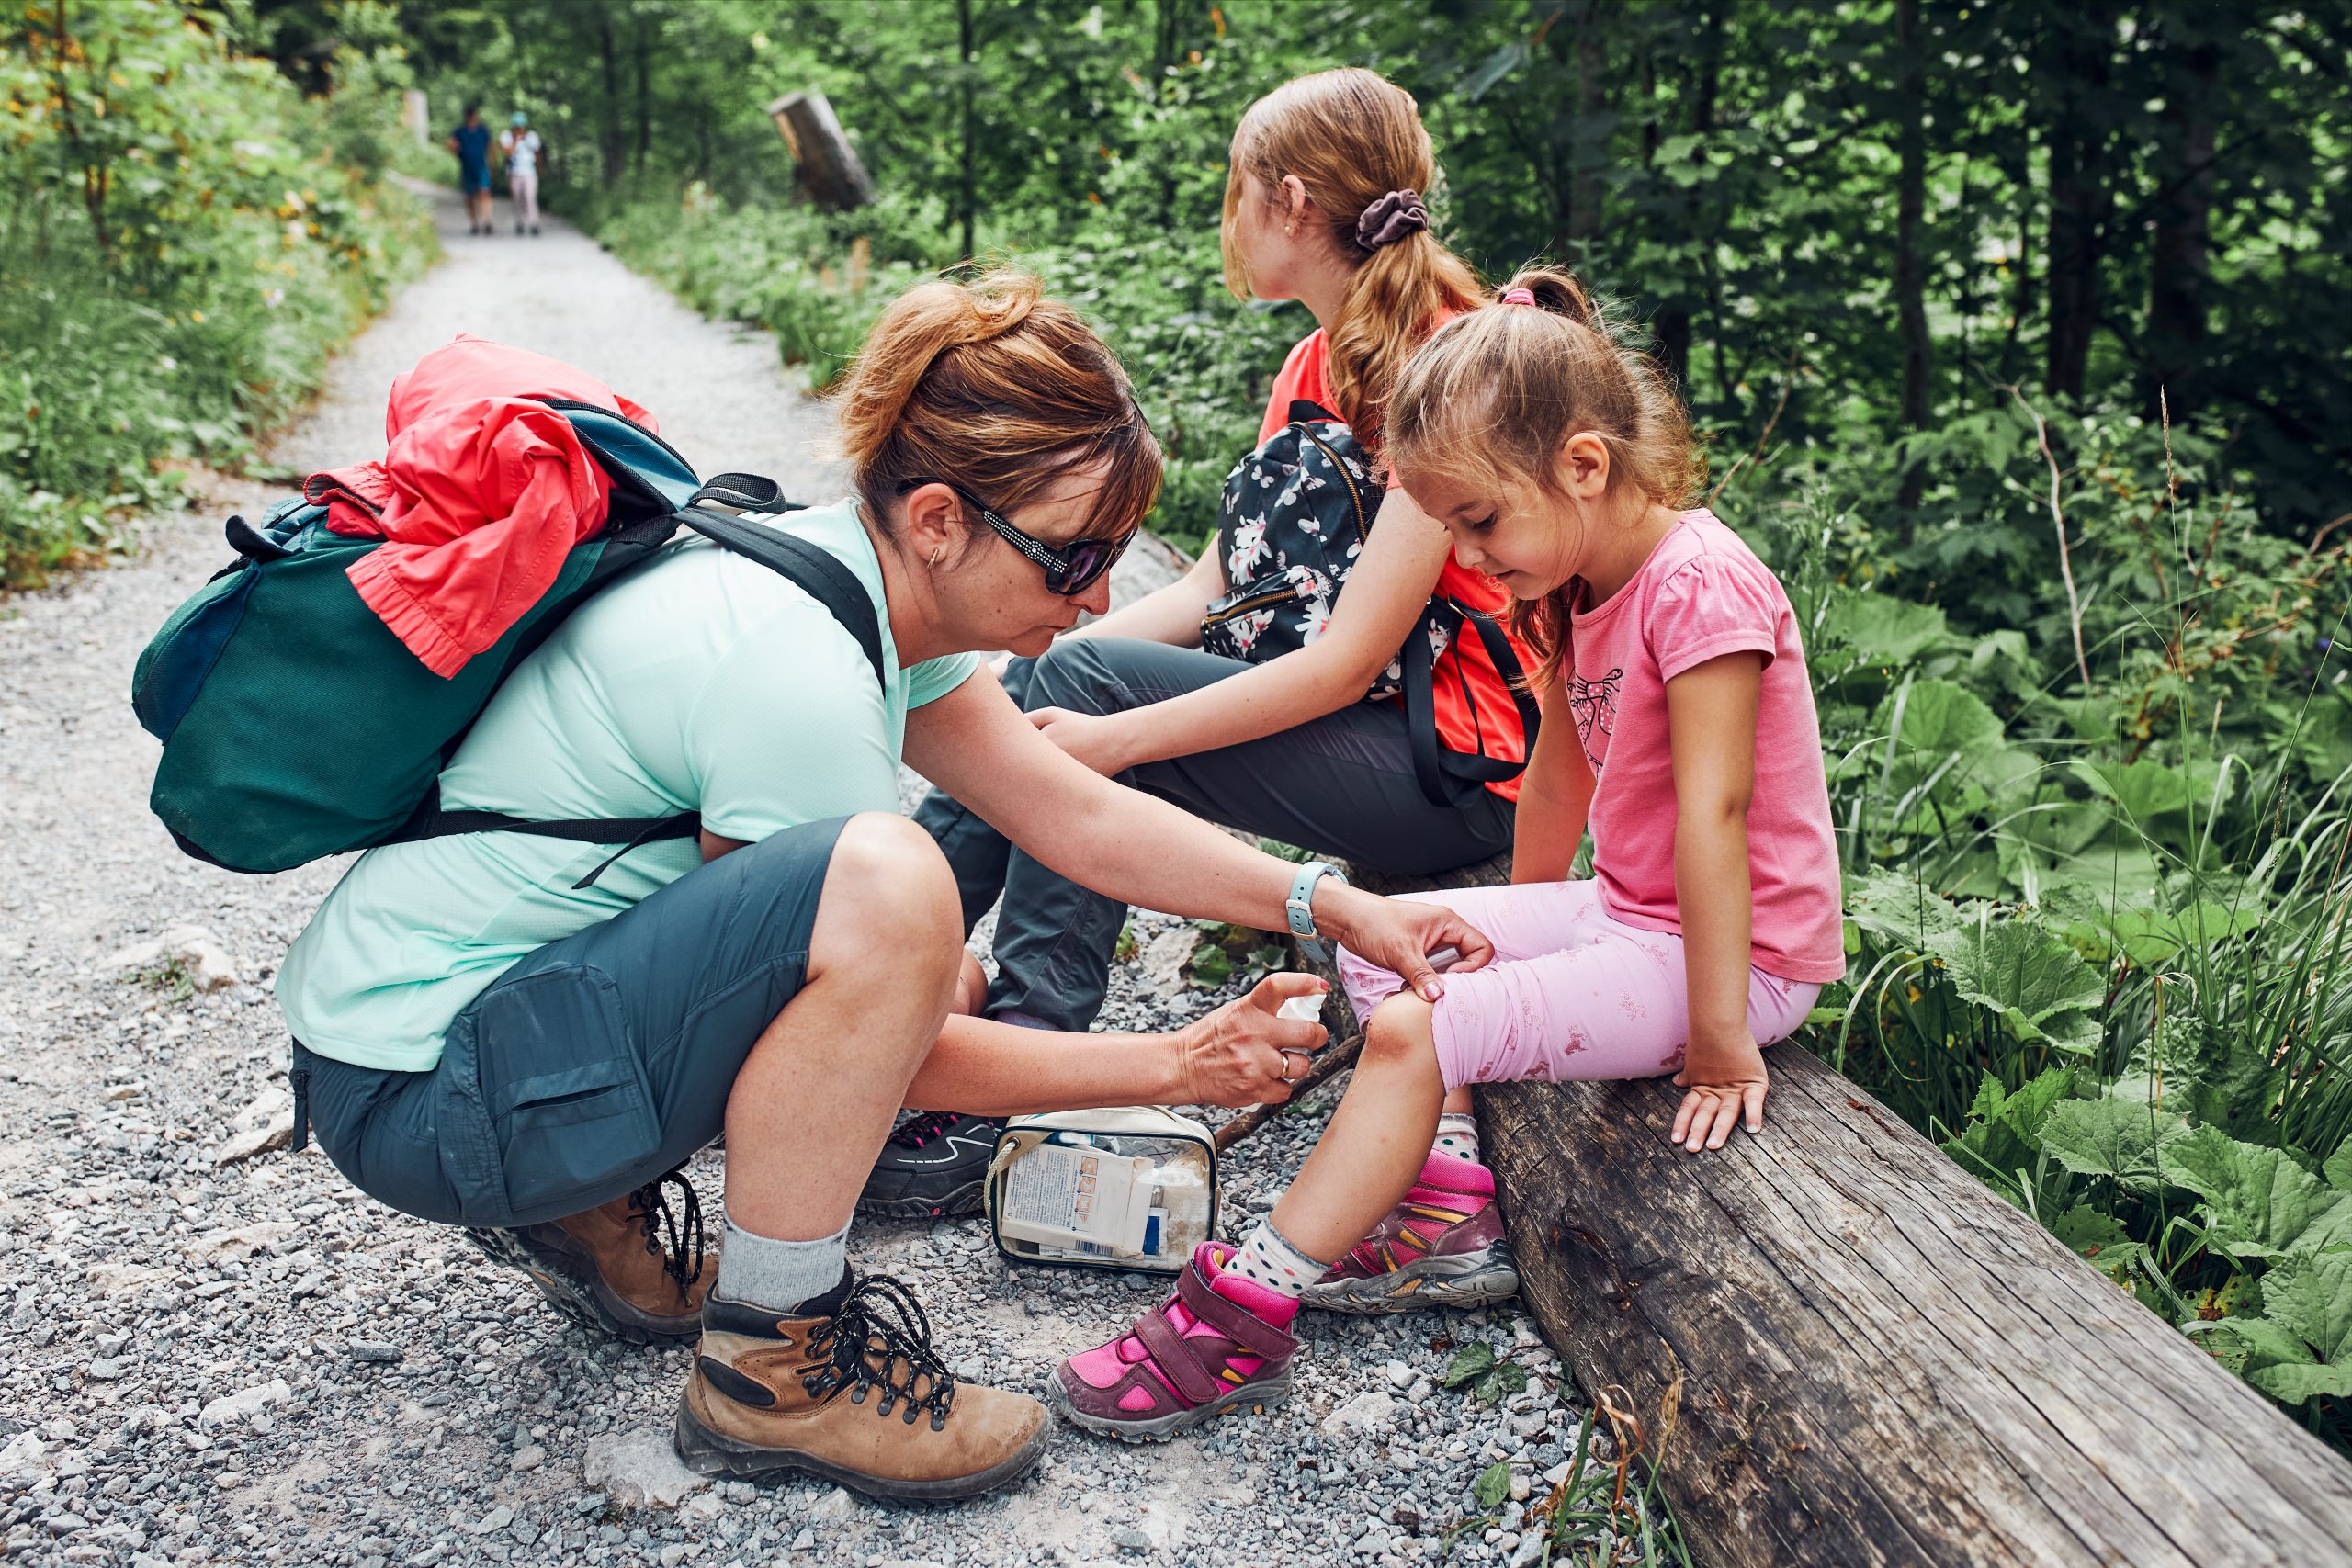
(2338, 1168)
(2292, 1382)
(2110, 1137)
(1879, 628)
(2309, 1295)
(2260, 1202)
(2027, 974)
(1939, 717)
(1899, 908)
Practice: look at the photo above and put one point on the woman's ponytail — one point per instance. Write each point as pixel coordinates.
(999, 388)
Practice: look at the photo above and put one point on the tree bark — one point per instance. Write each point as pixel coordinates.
(1865, 1357)
(610, 139)
(644, 95)
(2178, 260)
(2082, 190)
(1910, 219)
(966, 184)
(1588, 139)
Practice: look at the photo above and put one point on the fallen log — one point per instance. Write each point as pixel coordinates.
(1846, 1350)
(828, 166)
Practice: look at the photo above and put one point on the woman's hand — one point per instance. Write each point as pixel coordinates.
(1399, 934)
(1094, 740)
(1242, 1053)
(1726, 1081)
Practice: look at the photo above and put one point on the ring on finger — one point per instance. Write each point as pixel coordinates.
(1288, 1052)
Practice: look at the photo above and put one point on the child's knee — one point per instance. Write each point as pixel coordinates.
(1400, 1035)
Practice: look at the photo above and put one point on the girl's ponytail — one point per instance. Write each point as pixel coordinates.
(1492, 397)
(994, 386)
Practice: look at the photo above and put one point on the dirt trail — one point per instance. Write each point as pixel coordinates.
(245, 1360)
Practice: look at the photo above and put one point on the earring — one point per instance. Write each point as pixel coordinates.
(1290, 230)
(936, 554)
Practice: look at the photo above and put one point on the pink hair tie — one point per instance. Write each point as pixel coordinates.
(1518, 296)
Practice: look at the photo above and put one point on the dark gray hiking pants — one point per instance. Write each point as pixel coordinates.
(1341, 787)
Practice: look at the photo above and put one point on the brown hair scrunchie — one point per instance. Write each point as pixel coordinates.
(1390, 218)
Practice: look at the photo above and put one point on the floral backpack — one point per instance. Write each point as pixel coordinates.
(1298, 512)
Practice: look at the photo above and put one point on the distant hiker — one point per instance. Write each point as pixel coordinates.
(470, 142)
(521, 146)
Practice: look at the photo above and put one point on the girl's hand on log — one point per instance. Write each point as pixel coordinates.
(1243, 1053)
(1726, 1081)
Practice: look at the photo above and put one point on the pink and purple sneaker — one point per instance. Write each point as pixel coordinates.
(1441, 1245)
(1220, 1342)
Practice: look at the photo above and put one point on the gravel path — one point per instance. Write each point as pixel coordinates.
(225, 1359)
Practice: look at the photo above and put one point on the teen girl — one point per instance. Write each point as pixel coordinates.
(1322, 206)
(1561, 464)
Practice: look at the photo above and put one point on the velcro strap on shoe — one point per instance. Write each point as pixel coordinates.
(1177, 1360)
(1231, 1319)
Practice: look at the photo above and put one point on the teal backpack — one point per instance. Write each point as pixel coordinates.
(297, 726)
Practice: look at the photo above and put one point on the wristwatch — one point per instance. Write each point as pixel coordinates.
(1300, 907)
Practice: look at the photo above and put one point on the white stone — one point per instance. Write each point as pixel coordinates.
(639, 1469)
(242, 1404)
(206, 963)
(1164, 957)
(498, 1518)
(1400, 1376)
(26, 1459)
(529, 1456)
(1367, 1412)
(266, 1123)
(834, 1507)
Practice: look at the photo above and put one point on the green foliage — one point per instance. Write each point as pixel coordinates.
(185, 239)
(1488, 1377)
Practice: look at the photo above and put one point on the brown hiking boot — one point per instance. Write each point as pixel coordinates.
(621, 1266)
(849, 1394)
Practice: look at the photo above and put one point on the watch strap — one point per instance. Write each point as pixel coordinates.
(1300, 905)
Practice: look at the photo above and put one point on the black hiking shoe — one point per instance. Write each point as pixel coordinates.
(932, 1165)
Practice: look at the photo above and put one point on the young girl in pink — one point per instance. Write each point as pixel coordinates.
(1680, 731)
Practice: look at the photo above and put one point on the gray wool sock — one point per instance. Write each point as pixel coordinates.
(761, 1271)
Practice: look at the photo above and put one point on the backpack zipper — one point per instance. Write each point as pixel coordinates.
(1288, 590)
(1355, 501)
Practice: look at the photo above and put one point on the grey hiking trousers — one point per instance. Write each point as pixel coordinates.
(1343, 786)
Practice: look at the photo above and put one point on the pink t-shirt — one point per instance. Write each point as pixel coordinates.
(1702, 595)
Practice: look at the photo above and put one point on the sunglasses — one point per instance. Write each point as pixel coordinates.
(1070, 570)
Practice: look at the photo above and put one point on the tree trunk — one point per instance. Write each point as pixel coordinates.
(2178, 261)
(644, 95)
(1864, 1357)
(966, 191)
(609, 140)
(1910, 217)
(1589, 137)
(1674, 321)
(2082, 190)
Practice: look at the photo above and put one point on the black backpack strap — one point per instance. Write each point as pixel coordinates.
(816, 572)
(1305, 408)
(1433, 762)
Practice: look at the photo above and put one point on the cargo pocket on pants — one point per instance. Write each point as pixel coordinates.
(565, 1092)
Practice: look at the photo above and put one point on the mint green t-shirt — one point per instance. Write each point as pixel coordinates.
(702, 683)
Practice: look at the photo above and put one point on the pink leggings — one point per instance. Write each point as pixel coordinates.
(1570, 993)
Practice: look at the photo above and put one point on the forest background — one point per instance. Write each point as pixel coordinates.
(2021, 335)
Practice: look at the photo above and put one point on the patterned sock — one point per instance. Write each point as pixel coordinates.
(1267, 1260)
(1457, 1134)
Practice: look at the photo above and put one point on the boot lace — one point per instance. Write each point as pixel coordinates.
(879, 1328)
(668, 1234)
(922, 1126)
